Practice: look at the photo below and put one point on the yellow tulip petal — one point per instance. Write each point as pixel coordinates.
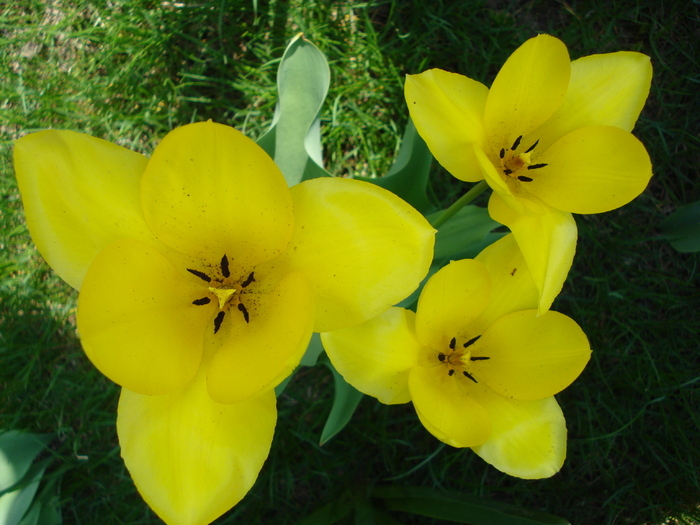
(447, 408)
(452, 298)
(512, 287)
(592, 170)
(210, 191)
(255, 356)
(447, 110)
(192, 459)
(527, 91)
(548, 244)
(361, 248)
(136, 319)
(528, 438)
(79, 193)
(605, 90)
(376, 356)
(531, 357)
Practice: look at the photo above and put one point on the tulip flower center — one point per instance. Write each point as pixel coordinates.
(226, 291)
(459, 359)
(518, 165)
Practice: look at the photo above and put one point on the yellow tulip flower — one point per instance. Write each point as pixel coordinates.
(479, 364)
(201, 278)
(551, 138)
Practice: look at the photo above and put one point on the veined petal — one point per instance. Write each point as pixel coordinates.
(456, 295)
(447, 408)
(512, 287)
(192, 459)
(208, 191)
(528, 90)
(79, 193)
(592, 170)
(532, 357)
(605, 90)
(376, 356)
(548, 244)
(447, 110)
(257, 355)
(528, 438)
(136, 319)
(362, 249)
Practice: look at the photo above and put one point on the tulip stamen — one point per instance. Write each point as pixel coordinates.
(244, 311)
(528, 150)
(451, 372)
(523, 178)
(250, 279)
(471, 341)
(536, 166)
(479, 358)
(442, 357)
(202, 301)
(225, 271)
(516, 143)
(467, 374)
(218, 320)
(203, 276)
(502, 153)
(453, 342)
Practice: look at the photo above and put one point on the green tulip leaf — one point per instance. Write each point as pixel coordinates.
(682, 228)
(460, 508)
(345, 401)
(331, 512)
(468, 227)
(294, 137)
(408, 177)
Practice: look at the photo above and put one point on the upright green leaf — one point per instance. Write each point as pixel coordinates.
(294, 138)
(408, 177)
(682, 228)
(345, 401)
(467, 228)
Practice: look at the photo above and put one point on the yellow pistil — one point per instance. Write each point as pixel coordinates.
(223, 295)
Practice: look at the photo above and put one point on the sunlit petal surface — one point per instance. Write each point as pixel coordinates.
(592, 170)
(79, 194)
(548, 244)
(361, 248)
(136, 319)
(257, 355)
(447, 110)
(452, 298)
(532, 357)
(192, 459)
(528, 438)
(605, 90)
(528, 90)
(447, 408)
(208, 191)
(376, 356)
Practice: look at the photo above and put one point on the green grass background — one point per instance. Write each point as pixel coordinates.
(130, 71)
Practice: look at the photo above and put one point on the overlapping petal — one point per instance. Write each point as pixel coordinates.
(79, 194)
(447, 408)
(604, 90)
(528, 438)
(528, 90)
(361, 248)
(548, 244)
(452, 298)
(447, 110)
(377, 356)
(136, 319)
(592, 170)
(532, 357)
(251, 357)
(191, 458)
(208, 191)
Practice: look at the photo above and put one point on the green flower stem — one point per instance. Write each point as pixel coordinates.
(460, 203)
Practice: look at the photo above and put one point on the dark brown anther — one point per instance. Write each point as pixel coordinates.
(517, 143)
(536, 166)
(218, 320)
(451, 372)
(528, 150)
(467, 374)
(244, 312)
(202, 301)
(250, 279)
(441, 357)
(471, 341)
(507, 171)
(453, 342)
(479, 358)
(203, 276)
(502, 153)
(224, 267)
(523, 178)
